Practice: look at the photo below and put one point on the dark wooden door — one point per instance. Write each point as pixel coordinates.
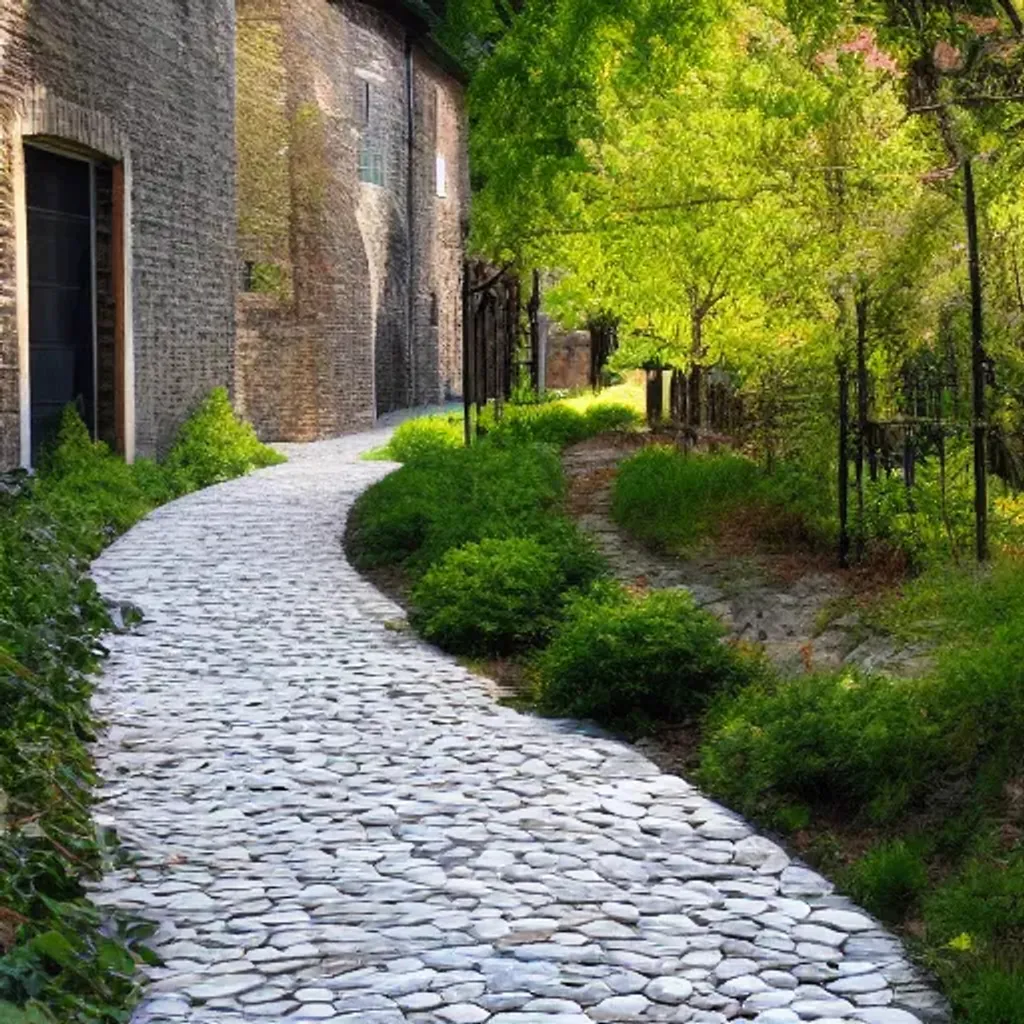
(60, 258)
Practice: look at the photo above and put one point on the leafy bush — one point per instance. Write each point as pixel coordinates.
(888, 880)
(91, 494)
(416, 515)
(214, 445)
(858, 741)
(60, 960)
(421, 439)
(630, 661)
(494, 597)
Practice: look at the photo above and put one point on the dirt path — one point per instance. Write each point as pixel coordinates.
(786, 605)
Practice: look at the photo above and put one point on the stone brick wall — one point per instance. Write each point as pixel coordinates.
(151, 81)
(439, 228)
(340, 326)
(568, 359)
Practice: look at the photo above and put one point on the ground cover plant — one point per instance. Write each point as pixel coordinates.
(60, 961)
(933, 765)
(671, 500)
(494, 597)
(480, 534)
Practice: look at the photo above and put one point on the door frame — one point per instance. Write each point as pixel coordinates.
(121, 252)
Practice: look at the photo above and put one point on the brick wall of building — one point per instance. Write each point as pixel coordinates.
(340, 324)
(439, 227)
(154, 81)
(568, 359)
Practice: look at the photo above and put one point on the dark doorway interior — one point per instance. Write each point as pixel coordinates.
(62, 343)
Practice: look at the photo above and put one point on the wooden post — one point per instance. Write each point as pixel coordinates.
(909, 465)
(862, 414)
(844, 465)
(977, 366)
(677, 396)
(695, 399)
(655, 397)
(467, 355)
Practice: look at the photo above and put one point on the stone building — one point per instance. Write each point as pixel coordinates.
(567, 359)
(353, 197)
(117, 216)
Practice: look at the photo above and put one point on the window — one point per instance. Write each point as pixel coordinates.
(371, 164)
(362, 102)
(442, 177)
(435, 312)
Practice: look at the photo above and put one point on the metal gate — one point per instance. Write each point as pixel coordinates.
(491, 337)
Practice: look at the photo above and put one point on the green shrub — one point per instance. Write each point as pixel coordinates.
(888, 880)
(416, 515)
(494, 597)
(671, 499)
(90, 494)
(421, 439)
(630, 661)
(214, 445)
(573, 552)
(862, 742)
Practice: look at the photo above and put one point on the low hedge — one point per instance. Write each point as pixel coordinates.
(423, 438)
(415, 516)
(496, 597)
(631, 661)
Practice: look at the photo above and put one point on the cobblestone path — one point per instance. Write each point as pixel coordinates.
(333, 822)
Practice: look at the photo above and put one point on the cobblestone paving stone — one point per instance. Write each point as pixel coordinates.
(331, 821)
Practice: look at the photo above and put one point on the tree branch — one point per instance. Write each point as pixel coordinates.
(967, 101)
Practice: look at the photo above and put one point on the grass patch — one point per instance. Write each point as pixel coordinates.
(671, 500)
(889, 879)
(60, 961)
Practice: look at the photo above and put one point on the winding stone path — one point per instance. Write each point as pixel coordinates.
(331, 821)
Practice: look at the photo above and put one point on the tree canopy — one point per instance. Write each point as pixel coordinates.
(725, 178)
